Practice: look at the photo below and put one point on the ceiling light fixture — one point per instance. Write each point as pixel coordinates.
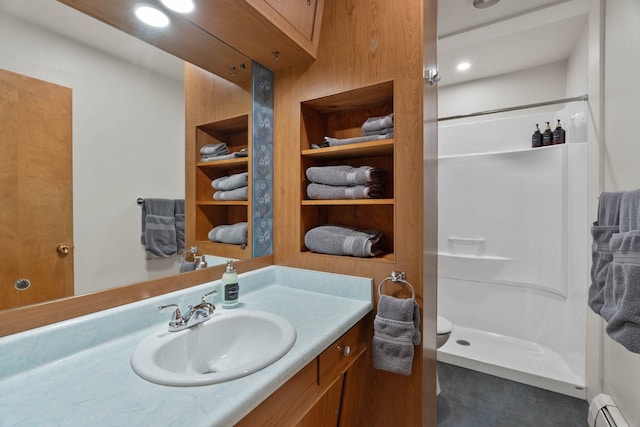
(463, 66)
(483, 4)
(151, 15)
(180, 6)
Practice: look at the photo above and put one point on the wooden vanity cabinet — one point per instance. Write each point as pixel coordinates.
(319, 394)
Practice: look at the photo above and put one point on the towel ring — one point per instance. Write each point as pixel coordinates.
(397, 277)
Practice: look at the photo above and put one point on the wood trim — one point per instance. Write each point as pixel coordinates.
(33, 316)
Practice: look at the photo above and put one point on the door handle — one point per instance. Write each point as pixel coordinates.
(63, 249)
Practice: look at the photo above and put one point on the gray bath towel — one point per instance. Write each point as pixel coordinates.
(337, 240)
(235, 234)
(333, 192)
(624, 276)
(231, 182)
(186, 266)
(385, 131)
(215, 157)
(396, 330)
(377, 123)
(179, 216)
(241, 193)
(630, 211)
(159, 228)
(606, 225)
(335, 142)
(345, 175)
(215, 149)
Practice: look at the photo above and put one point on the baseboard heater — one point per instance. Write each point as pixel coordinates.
(603, 412)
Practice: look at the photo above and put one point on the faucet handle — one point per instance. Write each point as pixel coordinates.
(213, 292)
(176, 317)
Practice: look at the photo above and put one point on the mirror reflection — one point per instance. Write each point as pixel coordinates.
(126, 118)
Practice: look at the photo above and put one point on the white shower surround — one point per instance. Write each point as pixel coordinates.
(512, 273)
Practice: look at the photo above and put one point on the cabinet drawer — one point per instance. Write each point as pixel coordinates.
(336, 359)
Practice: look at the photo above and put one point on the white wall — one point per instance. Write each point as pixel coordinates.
(620, 368)
(128, 142)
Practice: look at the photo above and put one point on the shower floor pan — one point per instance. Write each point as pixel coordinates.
(511, 358)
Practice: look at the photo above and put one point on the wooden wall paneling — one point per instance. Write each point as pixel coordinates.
(363, 44)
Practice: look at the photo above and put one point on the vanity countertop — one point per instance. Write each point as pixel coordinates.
(78, 372)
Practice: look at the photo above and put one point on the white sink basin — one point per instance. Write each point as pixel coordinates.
(232, 344)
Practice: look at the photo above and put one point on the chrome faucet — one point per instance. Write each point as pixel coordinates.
(194, 315)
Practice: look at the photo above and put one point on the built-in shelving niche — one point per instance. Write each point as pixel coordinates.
(341, 116)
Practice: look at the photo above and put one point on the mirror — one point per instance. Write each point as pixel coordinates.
(128, 131)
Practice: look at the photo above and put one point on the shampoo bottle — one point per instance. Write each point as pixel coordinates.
(547, 136)
(230, 287)
(536, 139)
(558, 134)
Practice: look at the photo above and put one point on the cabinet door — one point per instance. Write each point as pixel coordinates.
(301, 14)
(326, 412)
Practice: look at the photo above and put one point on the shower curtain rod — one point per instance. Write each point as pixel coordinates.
(519, 107)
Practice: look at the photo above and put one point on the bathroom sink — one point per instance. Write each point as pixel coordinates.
(232, 344)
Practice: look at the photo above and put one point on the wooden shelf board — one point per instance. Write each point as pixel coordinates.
(371, 148)
(223, 203)
(348, 202)
(225, 164)
(387, 257)
(230, 125)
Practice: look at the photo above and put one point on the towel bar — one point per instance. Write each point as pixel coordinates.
(397, 277)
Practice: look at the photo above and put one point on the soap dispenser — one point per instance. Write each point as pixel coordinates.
(547, 136)
(230, 287)
(536, 138)
(558, 134)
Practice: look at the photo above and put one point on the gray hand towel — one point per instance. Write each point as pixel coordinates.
(215, 149)
(241, 193)
(624, 275)
(231, 182)
(396, 331)
(235, 234)
(179, 216)
(333, 192)
(337, 240)
(630, 211)
(186, 266)
(378, 123)
(385, 131)
(345, 175)
(336, 142)
(160, 236)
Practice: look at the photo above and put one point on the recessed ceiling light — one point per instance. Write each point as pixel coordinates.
(180, 6)
(151, 16)
(463, 66)
(483, 4)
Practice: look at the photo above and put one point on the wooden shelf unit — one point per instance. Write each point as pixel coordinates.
(210, 213)
(341, 116)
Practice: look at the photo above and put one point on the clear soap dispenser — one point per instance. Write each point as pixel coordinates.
(230, 287)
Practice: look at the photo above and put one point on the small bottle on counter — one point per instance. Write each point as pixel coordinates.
(536, 138)
(230, 286)
(547, 136)
(558, 134)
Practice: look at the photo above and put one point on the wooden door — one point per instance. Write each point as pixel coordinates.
(35, 191)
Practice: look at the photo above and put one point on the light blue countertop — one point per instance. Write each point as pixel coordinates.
(78, 372)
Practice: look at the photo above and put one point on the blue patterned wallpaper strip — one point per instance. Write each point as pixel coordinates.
(262, 162)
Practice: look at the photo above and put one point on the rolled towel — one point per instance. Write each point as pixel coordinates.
(624, 275)
(378, 123)
(241, 193)
(345, 175)
(231, 182)
(332, 192)
(235, 234)
(338, 240)
(215, 149)
(396, 330)
(335, 142)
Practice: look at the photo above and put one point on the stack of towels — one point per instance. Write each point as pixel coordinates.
(232, 187)
(345, 182)
(220, 151)
(234, 234)
(615, 272)
(374, 128)
(339, 240)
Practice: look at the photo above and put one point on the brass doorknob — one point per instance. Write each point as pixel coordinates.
(63, 249)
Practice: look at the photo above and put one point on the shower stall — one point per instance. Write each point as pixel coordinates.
(513, 249)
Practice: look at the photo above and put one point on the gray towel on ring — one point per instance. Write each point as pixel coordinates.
(345, 175)
(235, 234)
(332, 192)
(337, 240)
(396, 330)
(241, 193)
(231, 182)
